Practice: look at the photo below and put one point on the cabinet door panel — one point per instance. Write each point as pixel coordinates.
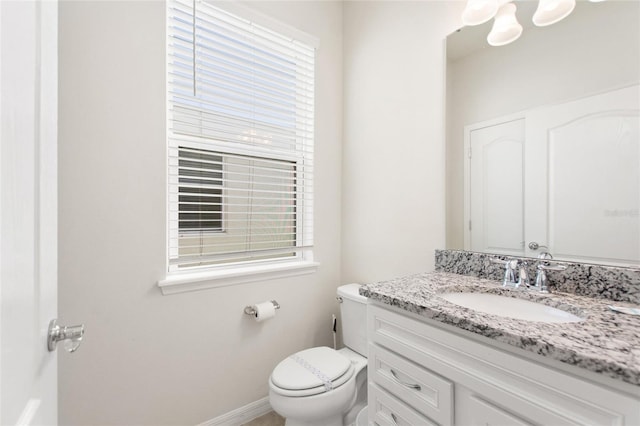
(386, 410)
(484, 413)
(424, 390)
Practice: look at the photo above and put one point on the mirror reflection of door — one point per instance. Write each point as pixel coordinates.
(571, 169)
(495, 223)
(585, 192)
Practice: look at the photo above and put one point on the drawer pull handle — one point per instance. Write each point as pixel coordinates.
(409, 385)
(394, 419)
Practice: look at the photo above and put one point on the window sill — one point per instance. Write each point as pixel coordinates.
(193, 281)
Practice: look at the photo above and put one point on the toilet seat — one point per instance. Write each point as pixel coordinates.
(311, 372)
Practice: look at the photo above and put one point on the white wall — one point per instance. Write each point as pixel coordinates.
(149, 359)
(587, 53)
(394, 152)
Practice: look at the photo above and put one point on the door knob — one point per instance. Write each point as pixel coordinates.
(533, 245)
(71, 335)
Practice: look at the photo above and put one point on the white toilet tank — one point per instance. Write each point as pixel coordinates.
(353, 309)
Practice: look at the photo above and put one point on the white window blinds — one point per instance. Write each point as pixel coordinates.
(240, 136)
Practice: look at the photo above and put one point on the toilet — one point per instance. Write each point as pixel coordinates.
(323, 386)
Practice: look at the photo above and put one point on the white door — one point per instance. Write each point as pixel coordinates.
(583, 187)
(495, 182)
(28, 220)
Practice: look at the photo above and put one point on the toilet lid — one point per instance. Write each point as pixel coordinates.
(311, 368)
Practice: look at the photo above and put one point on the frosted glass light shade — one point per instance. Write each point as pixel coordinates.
(551, 11)
(506, 28)
(479, 11)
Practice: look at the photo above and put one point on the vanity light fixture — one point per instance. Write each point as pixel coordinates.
(479, 11)
(506, 28)
(551, 11)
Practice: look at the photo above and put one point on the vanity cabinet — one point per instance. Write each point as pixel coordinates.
(424, 373)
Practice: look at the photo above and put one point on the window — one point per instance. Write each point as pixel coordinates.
(240, 139)
(199, 191)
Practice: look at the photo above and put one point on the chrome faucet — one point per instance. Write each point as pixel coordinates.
(510, 267)
(541, 276)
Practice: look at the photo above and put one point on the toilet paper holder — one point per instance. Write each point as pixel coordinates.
(250, 311)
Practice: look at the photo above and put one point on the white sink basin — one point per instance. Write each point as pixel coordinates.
(510, 307)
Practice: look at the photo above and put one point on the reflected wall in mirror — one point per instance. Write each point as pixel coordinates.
(552, 120)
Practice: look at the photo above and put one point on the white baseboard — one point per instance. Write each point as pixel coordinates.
(241, 415)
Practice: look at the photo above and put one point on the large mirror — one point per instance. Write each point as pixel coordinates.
(542, 137)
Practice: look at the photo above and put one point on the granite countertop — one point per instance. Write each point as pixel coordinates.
(606, 342)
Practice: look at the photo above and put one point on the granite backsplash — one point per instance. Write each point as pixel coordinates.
(605, 282)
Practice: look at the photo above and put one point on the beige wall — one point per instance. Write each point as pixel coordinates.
(182, 359)
(394, 153)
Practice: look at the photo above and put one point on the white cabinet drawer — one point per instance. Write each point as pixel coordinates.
(422, 389)
(486, 414)
(386, 410)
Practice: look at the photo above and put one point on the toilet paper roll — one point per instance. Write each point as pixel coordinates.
(264, 311)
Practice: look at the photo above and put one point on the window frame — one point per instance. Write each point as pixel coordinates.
(201, 277)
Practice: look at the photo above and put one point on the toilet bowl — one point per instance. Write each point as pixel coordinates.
(318, 386)
(322, 386)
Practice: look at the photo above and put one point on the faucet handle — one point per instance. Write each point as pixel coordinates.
(508, 263)
(541, 276)
(523, 275)
(549, 267)
(510, 266)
